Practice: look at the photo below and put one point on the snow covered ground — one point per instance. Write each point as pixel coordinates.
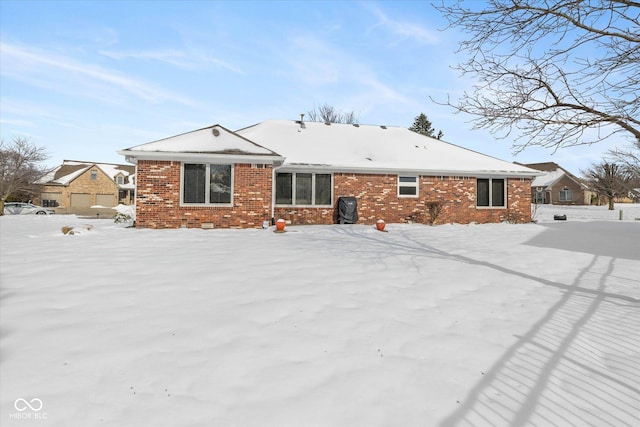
(470, 325)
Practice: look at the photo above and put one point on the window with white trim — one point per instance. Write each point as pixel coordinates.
(207, 184)
(566, 195)
(303, 189)
(491, 193)
(407, 186)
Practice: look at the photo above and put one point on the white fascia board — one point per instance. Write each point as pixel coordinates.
(134, 156)
(395, 171)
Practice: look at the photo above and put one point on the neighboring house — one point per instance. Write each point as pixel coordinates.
(83, 187)
(214, 177)
(557, 186)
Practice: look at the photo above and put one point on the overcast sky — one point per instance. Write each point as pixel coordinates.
(88, 78)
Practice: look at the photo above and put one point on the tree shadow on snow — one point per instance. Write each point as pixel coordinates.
(563, 351)
(578, 365)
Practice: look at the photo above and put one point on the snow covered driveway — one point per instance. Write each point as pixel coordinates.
(320, 326)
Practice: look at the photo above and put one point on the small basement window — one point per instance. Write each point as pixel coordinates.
(407, 186)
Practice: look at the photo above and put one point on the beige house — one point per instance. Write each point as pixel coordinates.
(88, 188)
(557, 186)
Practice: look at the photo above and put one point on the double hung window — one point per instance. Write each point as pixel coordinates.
(207, 184)
(491, 192)
(303, 189)
(407, 186)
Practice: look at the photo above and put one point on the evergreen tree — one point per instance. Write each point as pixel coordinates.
(423, 126)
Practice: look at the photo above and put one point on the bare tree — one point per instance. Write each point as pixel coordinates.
(19, 168)
(609, 180)
(328, 114)
(629, 157)
(423, 126)
(556, 74)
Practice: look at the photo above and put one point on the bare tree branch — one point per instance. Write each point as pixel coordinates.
(609, 180)
(329, 114)
(19, 168)
(554, 74)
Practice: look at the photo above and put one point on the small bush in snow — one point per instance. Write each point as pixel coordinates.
(121, 218)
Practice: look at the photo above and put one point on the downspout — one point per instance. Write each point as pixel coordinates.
(135, 196)
(273, 190)
(273, 194)
(134, 160)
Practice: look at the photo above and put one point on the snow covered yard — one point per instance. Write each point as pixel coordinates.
(535, 324)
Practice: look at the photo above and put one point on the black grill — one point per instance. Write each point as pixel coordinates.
(347, 210)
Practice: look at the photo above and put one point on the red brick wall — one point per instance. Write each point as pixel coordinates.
(377, 198)
(158, 198)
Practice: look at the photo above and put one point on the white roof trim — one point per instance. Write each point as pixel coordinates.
(133, 156)
(287, 167)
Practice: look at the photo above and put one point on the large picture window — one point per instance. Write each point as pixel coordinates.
(208, 184)
(407, 186)
(491, 192)
(303, 189)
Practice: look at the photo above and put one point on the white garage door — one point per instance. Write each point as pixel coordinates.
(106, 200)
(80, 200)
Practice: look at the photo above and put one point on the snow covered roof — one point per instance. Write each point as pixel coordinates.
(373, 148)
(71, 169)
(209, 141)
(550, 174)
(548, 178)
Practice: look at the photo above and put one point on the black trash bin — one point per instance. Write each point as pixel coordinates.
(347, 210)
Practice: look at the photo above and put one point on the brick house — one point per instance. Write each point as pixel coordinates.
(76, 187)
(296, 170)
(558, 186)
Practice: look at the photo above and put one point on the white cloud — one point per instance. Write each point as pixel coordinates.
(173, 57)
(19, 107)
(16, 122)
(404, 29)
(38, 67)
(178, 58)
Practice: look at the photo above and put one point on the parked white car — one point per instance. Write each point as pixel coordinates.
(19, 208)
